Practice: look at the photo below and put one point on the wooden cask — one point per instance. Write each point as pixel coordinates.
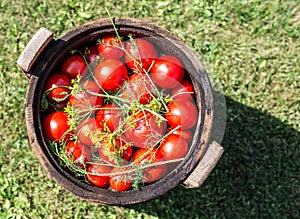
(42, 55)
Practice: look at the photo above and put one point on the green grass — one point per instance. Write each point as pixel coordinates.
(252, 51)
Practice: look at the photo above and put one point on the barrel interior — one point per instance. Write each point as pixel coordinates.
(84, 35)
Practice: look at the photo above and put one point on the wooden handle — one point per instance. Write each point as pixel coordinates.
(34, 48)
(205, 166)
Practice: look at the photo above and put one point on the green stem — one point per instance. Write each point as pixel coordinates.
(115, 28)
(139, 167)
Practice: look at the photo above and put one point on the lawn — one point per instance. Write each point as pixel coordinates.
(252, 52)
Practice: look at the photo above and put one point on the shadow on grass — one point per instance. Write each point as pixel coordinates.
(257, 176)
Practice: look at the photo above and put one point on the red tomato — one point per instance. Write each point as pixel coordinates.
(145, 130)
(73, 65)
(127, 153)
(120, 182)
(91, 87)
(183, 113)
(85, 129)
(85, 103)
(108, 155)
(123, 142)
(85, 100)
(77, 153)
(167, 72)
(186, 134)
(148, 155)
(155, 173)
(56, 126)
(58, 83)
(110, 114)
(118, 153)
(184, 90)
(173, 147)
(107, 48)
(139, 88)
(91, 53)
(111, 74)
(94, 172)
(143, 52)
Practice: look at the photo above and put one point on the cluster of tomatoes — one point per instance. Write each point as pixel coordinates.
(120, 113)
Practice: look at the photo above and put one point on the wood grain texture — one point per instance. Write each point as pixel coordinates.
(205, 166)
(48, 61)
(34, 48)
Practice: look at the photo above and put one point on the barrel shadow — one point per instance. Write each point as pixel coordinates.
(257, 176)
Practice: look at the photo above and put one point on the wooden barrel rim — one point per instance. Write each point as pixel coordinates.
(42, 68)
